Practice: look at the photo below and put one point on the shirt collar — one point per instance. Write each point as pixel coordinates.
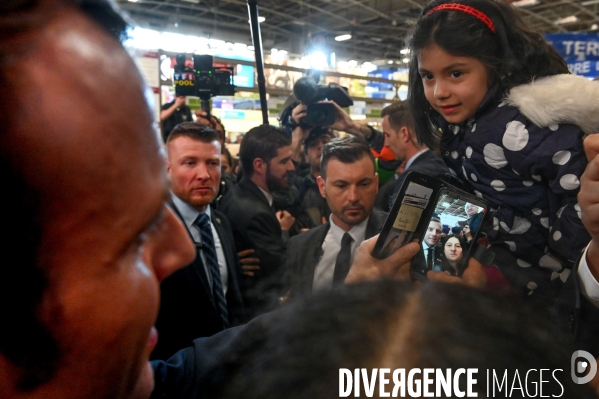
(267, 195)
(358, 232)
(411, 160)
(188, 213)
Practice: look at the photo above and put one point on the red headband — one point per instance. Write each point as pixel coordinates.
(465, 9)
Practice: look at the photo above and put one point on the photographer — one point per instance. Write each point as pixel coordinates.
(174, 113)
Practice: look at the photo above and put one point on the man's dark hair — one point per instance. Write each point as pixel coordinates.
(261, 142)
(316, 134)
(347, 149)
(399, 115)
(297, 354)
(193, 130)
(24, 339)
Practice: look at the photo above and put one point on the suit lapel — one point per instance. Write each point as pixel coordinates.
(314, 253)
(225, 243)
(375, 223)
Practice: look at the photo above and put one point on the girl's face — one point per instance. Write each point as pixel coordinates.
(466, 231)
(453, 85)
(453, 249)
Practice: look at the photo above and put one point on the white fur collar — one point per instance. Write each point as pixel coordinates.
(559, 99)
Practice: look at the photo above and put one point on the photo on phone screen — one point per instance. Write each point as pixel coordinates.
(413, 204)
(450, 234)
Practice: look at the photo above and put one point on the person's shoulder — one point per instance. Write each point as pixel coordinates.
(168, 105)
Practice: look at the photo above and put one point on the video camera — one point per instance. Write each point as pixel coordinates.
(309, 92)
(203, 80)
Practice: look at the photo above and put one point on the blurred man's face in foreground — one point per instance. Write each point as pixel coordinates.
(107, 238)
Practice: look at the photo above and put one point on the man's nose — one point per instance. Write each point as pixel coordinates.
(170, 247)
(352, 194)
(290, 166)
(202, 171)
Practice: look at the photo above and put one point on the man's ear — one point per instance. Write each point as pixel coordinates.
(168, 166)
(321, 186)
(259, 166)
(404, 133)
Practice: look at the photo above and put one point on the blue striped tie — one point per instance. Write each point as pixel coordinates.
(203, 223)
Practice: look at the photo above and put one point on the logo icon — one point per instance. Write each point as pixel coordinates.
(579, 366)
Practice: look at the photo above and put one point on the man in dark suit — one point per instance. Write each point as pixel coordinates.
(431, 251)
(400, 137)
(320, 258)
(265, 156)
(204, 297)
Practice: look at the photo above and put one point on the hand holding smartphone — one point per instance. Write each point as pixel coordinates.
(423, 206)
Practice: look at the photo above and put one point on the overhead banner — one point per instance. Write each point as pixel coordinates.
(580, 50)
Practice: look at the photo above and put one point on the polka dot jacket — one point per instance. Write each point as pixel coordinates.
(530, 176)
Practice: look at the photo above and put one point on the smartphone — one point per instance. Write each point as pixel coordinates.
(449, 251)
(409, 214)
(423, 209)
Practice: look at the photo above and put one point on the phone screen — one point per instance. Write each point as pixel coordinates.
(450, 234)
(413, 204)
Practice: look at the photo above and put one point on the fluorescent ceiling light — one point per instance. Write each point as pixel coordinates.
(389, 62)
(588, 3)
(260, 20)
(341, 38)
(567, 20)
(406, 60)
(594, 27)
(404, 51)
(525, 3)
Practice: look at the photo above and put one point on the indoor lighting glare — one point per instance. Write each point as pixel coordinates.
(341, 38)
(389, 62)
(446, 204)
(260, 20)
(525, 3)
(594, 27)
(405, 51)
(352, 63)
(318, 60)
(567, 20)
(406, 60)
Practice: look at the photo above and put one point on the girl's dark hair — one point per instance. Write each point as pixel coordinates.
(513, 55)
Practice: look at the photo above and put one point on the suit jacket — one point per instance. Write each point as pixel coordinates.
(255, 226)
(305, 250)
(575, 314)
(187, 308)
(419, 260)
(427, 163)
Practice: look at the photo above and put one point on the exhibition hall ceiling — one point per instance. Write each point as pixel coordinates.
(377, 27)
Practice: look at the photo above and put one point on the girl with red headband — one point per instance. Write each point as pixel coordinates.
(488, 92)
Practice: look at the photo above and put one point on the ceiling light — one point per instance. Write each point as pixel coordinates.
(567, 20)
(260, 20)
(594, 27)
(404, 51)
(588, 3)
(341, 38)
(133, 1)
(406, 60)
(389, 62)
(525, 3)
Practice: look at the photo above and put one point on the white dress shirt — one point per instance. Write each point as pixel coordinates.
(590, 286)
(190, 215)
(325, 269)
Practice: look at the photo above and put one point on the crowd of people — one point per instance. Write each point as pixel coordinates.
(135, 245)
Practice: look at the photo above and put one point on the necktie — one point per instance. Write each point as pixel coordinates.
(342, 263)
(429, 258)
(203, 223)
